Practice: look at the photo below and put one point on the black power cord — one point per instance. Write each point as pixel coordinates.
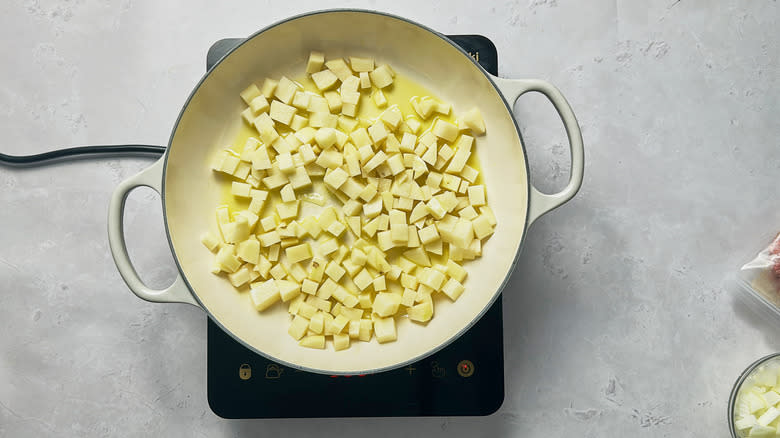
(80, 152)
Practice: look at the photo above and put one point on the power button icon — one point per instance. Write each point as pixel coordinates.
(465, 368)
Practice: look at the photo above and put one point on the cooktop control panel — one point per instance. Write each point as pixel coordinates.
(465, 378)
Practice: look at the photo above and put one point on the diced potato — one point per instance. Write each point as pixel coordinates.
(317, 323)
(309, 287)
(379, 98)
(285, 90)
(324, 80)
(422, 312)
(265, 294)
(334, 101)
(340, 342)
(336, 178)
(462, 154)
(334, 271)
(385, 329)
(250, 93)
(210, 241)
(298, 253)
(315, 62)
(249, 251)
(477, 196)
(453, 289)
(273, 252)
(473, 119)
(288, 289)
(268, 88)
(287, 210)
(366, 329)
(313, 341)
(386, 304)
(353, 329)
(482, 227)
(360, 64)
(365, 81)
(381, 76)
(281, 112)
(339, 68)
(298, 327)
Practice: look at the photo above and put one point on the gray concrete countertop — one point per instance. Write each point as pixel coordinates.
(617, 320)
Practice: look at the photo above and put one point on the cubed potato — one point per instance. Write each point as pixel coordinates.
(309, 286)
(334, 271)
(482, 227)
(298, 122)
(392, 117)
(317, 323)
(334, 101)
(210, 241)
(301, 100)
(477, 196)
(336, 178)
(249, 251)
(265, 294)
(288, 289)
(328, 246)
(379, 99)
(422, 312)
(361, 64)
(298, 327)
(268, 88)
(287, 210)
(381, 76)
(363, 279)
(248, 115)
(385, 329)
(285, 91)
(313, 341)
(339, 68)
(307, 310)
(386, 304)
(324, 80)
(418, 256)
(250, 93)
(365, 81)
(462, 154)
(353, 329)
(445, 130)
(259, 104)
(473, 119)
(315, 62)
(408, 281)
(240, 277)
(273, 252)
(341, 341)
(366, 330)
(298, 253)
(281, 112)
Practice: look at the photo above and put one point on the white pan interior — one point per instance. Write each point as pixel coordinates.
(211, 121)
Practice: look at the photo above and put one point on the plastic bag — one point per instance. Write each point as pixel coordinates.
(761, 276)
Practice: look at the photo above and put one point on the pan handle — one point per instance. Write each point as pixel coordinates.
(176, 292)
(541, 203)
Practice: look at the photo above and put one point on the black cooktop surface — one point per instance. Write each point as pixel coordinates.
(465, 378)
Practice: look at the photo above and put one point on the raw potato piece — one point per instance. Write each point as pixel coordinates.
(316, 60)
(473, 119)
(402, 197)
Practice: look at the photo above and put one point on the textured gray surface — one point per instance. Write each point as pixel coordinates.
(617, 321)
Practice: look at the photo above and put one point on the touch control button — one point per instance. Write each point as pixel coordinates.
(465, 368)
